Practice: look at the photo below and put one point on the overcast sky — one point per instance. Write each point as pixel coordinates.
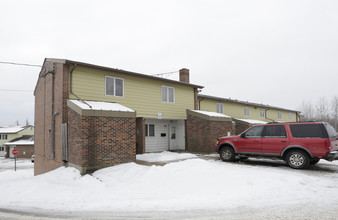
(272, 52)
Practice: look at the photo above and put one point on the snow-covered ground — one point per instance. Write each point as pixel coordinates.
(190, 188)
(165, 156)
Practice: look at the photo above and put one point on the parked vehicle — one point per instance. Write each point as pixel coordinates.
(299, 144)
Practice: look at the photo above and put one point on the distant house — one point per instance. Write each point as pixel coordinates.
(24, 144)
(7, 134)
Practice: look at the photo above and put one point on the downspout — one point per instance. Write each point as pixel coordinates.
(266, 115)
(71, 87)
(52, 153)
(199, 103)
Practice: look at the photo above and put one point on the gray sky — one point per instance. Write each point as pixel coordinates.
(272, 52)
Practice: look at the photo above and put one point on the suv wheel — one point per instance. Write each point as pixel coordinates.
(297, 159)
(227, 154)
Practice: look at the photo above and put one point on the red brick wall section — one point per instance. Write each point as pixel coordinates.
(202, 134)
(240, 127)
(25, 151)
(97, 142)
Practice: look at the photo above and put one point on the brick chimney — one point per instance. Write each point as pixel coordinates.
(184, 75)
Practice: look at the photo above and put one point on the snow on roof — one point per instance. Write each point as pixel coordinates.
(13, 129)
(251, 121)
(21, 142)
(105, 106)
(212, 114)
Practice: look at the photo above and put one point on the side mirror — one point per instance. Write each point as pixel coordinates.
(243, 135)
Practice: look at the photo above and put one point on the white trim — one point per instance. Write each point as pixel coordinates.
(262, 113)
(246, 111)
(220, 106)
(167, 89)
(114, 91)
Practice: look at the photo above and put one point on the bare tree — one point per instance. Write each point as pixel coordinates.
(322, 110)
(334, 110)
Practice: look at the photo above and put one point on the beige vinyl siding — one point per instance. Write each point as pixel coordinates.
(236, 110)
(140, 94)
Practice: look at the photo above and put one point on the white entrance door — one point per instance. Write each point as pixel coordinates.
(173, 137)
(156, 139)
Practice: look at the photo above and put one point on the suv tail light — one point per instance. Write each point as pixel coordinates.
(328, 145)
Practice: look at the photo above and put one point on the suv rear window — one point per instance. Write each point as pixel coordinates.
(330, 130)
(308, 131)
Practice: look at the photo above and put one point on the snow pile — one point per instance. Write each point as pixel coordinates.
(164, 156)
(193, 184)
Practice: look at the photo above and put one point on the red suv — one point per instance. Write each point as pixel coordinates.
(299, 144)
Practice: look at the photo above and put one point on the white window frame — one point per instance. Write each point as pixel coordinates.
(247, 111)
(168, 89)
(290, 116)
(220, 108)
(147, 127)
(262, 113)
(279, 115)
(114, 78)
(3, 136)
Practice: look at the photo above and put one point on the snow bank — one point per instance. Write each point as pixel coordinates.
(164, 156)
(192, 184)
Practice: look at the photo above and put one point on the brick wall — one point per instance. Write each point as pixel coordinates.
(201, 134)
(25, 151)
(240, 127)
(95, 142)
(43, 112)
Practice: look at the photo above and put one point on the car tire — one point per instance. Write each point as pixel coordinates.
(314, 161)
(297, 159)
(227, 154)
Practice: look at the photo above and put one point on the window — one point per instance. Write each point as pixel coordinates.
(150, 130)
(219, 107)
(3, 136)
(290, 116)
(2, 148)
(114, 86)
(254, 132)
(308, 131)
(262, 113)
(168, 94)
(246, 111)
(279, 115)
(274, 131)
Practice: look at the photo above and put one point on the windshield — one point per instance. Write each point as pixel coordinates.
(330, 130)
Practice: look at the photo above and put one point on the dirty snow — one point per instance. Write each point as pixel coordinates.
(184, 186)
